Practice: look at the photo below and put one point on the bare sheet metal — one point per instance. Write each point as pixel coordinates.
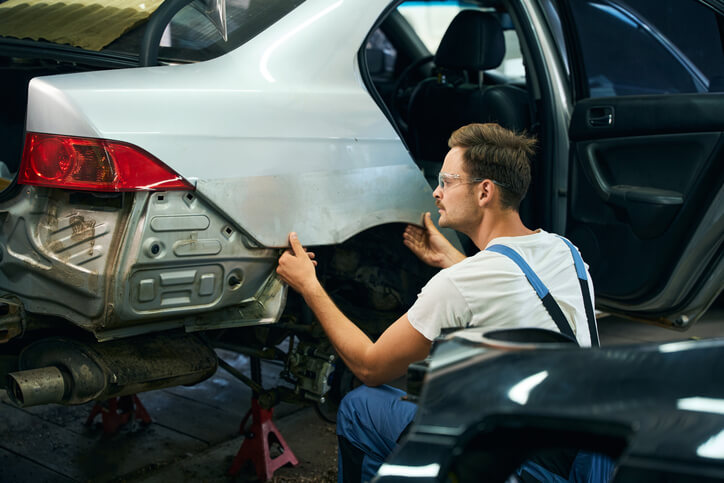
(182, 258)
(162, 260)
(54, 255)
(337, 204)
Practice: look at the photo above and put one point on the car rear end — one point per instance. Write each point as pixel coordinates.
(96, 230)
(101, 242)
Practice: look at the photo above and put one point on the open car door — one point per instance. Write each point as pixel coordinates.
(646, 202)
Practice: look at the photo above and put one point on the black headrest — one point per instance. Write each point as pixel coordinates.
(473, 41)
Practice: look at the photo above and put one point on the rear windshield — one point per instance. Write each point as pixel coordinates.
(201, 30)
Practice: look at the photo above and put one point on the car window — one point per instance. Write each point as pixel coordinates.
(191, 35)
(381, 56)
(118, 26)
(637, 47)
(431, 19)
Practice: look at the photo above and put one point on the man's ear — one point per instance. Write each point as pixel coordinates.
(485, 192)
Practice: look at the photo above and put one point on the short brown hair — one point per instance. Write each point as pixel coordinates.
(493, 152)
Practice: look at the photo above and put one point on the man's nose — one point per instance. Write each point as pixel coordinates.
(437, 194)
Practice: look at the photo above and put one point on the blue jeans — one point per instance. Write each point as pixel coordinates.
(587, 467)
(370, 420)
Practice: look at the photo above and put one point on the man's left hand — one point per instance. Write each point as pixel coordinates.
(296, 266)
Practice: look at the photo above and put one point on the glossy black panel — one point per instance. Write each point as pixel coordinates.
(660, 405)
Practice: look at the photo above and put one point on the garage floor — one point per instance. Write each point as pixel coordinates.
(194, 434)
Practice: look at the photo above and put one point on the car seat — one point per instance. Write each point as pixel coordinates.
(457, 95)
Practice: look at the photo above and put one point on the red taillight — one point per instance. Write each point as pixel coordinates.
(94, 164)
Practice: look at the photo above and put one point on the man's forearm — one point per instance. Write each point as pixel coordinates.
(349, 341)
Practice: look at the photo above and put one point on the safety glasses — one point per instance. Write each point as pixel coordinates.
(448, 180)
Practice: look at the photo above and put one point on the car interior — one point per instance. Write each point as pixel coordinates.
(429, 95)
(458, 94)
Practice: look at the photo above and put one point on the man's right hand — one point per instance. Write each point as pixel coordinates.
(296, 267)
(430, 245)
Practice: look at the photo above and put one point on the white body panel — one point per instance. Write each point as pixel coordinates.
(280, 134)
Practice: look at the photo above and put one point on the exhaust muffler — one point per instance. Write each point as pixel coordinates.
(71, 371)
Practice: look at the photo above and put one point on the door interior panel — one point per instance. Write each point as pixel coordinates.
(646, 176)
(644, 170)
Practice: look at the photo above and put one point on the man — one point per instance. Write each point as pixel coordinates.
(484, 177)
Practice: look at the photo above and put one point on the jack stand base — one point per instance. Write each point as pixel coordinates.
(255, 447)
(117, 411)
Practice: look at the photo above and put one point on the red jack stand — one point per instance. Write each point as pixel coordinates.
(255, 447)
(117, 411)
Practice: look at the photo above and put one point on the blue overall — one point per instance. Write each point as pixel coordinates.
(371, 420)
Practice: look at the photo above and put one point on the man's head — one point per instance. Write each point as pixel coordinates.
(485, 163)
(495, 153)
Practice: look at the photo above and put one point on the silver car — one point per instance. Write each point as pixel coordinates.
(157, 155)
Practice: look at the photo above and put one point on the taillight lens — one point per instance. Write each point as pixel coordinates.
(94, 164)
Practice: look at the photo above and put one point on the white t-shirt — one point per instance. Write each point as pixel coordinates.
(489, 290)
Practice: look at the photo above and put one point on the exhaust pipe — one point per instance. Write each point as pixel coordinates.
(70, 371)
(37, 386)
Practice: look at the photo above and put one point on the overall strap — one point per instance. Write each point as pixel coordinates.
(585, 292)
(545, 295)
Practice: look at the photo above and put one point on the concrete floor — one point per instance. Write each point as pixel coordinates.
(194, 434)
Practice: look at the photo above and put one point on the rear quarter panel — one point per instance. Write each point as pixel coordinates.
(279, 135)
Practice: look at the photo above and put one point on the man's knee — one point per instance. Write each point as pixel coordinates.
(353, 408)
(368, 411)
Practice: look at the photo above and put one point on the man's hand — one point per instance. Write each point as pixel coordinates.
(296, 266)
(430, 245)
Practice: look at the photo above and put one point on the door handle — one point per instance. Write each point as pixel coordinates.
(600, 116)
